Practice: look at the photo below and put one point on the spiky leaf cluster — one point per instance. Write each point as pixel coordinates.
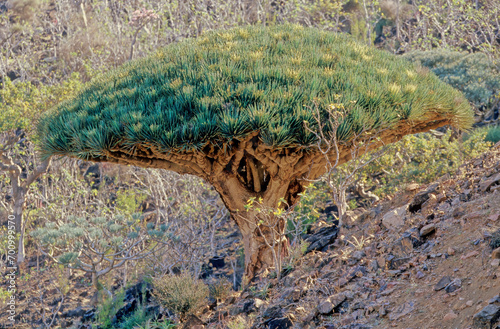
(227, 84)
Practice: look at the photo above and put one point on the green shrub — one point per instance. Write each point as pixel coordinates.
(23, 102)
(108, 309)
(150, 324)
(473, 74)
(422, 158)
(306, 211)
(181, 294)
(493, 134)
(128, 201)
(80, 242)
(136, 319)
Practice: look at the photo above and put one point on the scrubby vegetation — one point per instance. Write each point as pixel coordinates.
(181, 294)
(476, 75)
(493, 135)
(49, 50)
(421, 159)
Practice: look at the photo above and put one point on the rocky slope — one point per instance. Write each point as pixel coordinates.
(426, 258)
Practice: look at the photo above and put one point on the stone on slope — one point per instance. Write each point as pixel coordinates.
(486, 317)
(322, 237)
(442, 283)
(327, 306)
(427, 229)
(395, 218)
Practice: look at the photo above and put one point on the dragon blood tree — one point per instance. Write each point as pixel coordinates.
(230, 107)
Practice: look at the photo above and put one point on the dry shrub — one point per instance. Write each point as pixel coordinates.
(25, 9)
(181, 294)
(220, 289)
(238, 323)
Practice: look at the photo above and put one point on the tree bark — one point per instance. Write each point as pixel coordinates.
(19, 205)
(246, 168)
(263, 232)
(264, 241)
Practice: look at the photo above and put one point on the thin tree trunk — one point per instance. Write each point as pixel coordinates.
(19, 204)
(368, 25)
(398, 20)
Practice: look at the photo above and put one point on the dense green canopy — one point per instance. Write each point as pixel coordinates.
(226, 84)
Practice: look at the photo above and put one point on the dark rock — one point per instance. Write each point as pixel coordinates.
(217, 262)
(212, 303)
(206, 271)
(389, 262)
(397, 262)
(85, 326)
(358, 255)
(77, 312)
(286, 271)
(141, 291)
(453, 285)
(124, 312)
(494, 300)
(321, 238)
(93, 175)
(331, 211)
(248, 306)
(358, 306)
(445, 280)
(490, 181)
(273, 312)
(280, 323)
(409, 240)
(345, 278)
(373, 266)
(486, 317)
(153, 311)
(342, 308)
(12, 74)
(421, 197)
(88, 316)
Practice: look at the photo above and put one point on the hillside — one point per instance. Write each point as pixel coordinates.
(113, 245)
(421, 259)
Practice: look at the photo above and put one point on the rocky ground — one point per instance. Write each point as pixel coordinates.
(426, 258)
